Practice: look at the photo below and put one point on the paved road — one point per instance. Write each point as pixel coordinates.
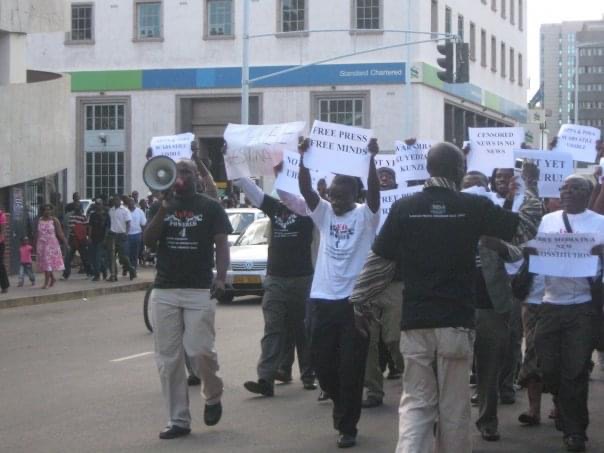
(61, 391)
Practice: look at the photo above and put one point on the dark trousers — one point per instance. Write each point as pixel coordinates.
(339, 353)
(82, 250)
(283, 308)
(118, 244)
(134, 246)
(564, 344)
(297, 345)
(512, 356)
(492, 338)
(98, 258)
(4, 284)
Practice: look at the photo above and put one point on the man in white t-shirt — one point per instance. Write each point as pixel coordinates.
(135, 234)
(338, 349)
(564, 335)
(121, 220)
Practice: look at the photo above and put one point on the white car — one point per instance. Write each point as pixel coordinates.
(249, 255)
(240, 219)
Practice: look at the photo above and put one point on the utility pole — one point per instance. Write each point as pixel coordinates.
(245, 65)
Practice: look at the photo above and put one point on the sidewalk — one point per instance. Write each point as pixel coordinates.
(77, 287)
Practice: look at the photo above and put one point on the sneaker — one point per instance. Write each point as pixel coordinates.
(261, 387)
(489, 434)
(193, 380)
(212, 413)
(309, 385)
(346, 440)
(174, 431)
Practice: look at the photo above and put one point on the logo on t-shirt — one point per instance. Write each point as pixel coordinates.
(184, 219)
(341, 231)
(285, 220)
(438, 208)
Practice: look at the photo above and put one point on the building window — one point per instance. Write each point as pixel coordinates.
(494, 5)
(148, 20)
(503, 8)
(493, 54)
(503, 57)
(350, 110)
(219, 15)
(472, 41)
(81, 23)
(460, 27)
(448, 20)
(483, 48)
(367, 14)
(293, 14)
(434, 16)
(520, 70)
(520, 15)
(512, 59)
(512, 12)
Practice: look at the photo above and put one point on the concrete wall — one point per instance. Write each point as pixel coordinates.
(35, 137)
(34, 16)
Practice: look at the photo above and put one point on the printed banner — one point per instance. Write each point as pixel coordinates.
(253, 150)
(175, 147)
(564, 255)
(412, 158)
(287, 180)
(580, 141)
(554, 167)
(493, 147)
(339, 149)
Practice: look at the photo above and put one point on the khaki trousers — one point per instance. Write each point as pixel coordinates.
(183, 321)
(435, 389)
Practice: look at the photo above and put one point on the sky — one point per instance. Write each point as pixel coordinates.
(554, 11)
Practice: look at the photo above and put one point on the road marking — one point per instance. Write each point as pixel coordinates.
(135, 356)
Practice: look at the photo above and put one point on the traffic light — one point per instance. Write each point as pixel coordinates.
(462, 63)
(446, 50)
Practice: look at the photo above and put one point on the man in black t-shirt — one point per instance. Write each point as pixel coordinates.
(286, 289)
(187, 227)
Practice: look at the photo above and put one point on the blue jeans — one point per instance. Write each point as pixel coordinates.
(134, 247)
(26, 269)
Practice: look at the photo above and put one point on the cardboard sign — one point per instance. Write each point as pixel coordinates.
(564, 255)
(287, 180)
(175, 147)
(253, 151)
(580, 141)
(339, 149)
(412, 166)
(493, 147)
(554, 167)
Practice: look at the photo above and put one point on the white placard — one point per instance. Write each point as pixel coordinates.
(335, 148)
(413, 160)
(554, 167)
(564, 255)
(287, 180)
(389, 197)
(254, 150)
(580, 141)
(175, 147)
(493, 147)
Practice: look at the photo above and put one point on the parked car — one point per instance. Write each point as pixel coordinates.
(249, 255)
(240, 219)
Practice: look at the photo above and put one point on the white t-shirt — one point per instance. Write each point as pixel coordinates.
(345, 244)
(139, 220)
(569, 291)
(119, 217)
(535, 296)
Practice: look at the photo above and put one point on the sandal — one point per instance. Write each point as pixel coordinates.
(528, 419)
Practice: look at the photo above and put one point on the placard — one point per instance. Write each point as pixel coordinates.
(564, 255)
(553, 166)
(493, 147)
(412, 165)
(335, 148)
(389, 197)
(287, 180)
(580, 141)
(253, 150)
(175, 147)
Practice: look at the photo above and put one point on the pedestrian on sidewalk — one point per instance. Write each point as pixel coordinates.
(98, 226)
(135, 234)
(121, 220)
(78, 241)
(49, 235)
(4, 284)
(25, 267)
(188, 228)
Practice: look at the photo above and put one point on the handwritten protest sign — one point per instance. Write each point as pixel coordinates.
(287, 180)
(175, 147)
(580, 141)
(389, 197)
(553, 166)
(412, 158)
(338, 149)
(254, 150)
(493, 147)
(564, 255)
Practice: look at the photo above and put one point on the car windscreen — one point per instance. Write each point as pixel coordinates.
(256, 234)
(240, 221)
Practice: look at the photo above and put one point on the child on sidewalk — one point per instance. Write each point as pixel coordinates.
(26, 262)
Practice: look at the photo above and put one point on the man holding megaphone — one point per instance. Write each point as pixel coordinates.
(186, 228)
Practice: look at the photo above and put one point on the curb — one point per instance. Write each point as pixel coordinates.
(71, 295)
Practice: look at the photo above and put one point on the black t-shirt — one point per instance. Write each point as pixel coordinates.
(185, 255)
(434, 235)
(99, 224)
(289, 252)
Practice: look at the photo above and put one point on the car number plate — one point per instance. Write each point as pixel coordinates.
(247, 279)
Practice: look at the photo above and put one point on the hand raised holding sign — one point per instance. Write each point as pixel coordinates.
(373, 147)
(530, 174)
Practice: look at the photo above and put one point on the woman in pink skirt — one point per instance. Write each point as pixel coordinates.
(48, 249)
